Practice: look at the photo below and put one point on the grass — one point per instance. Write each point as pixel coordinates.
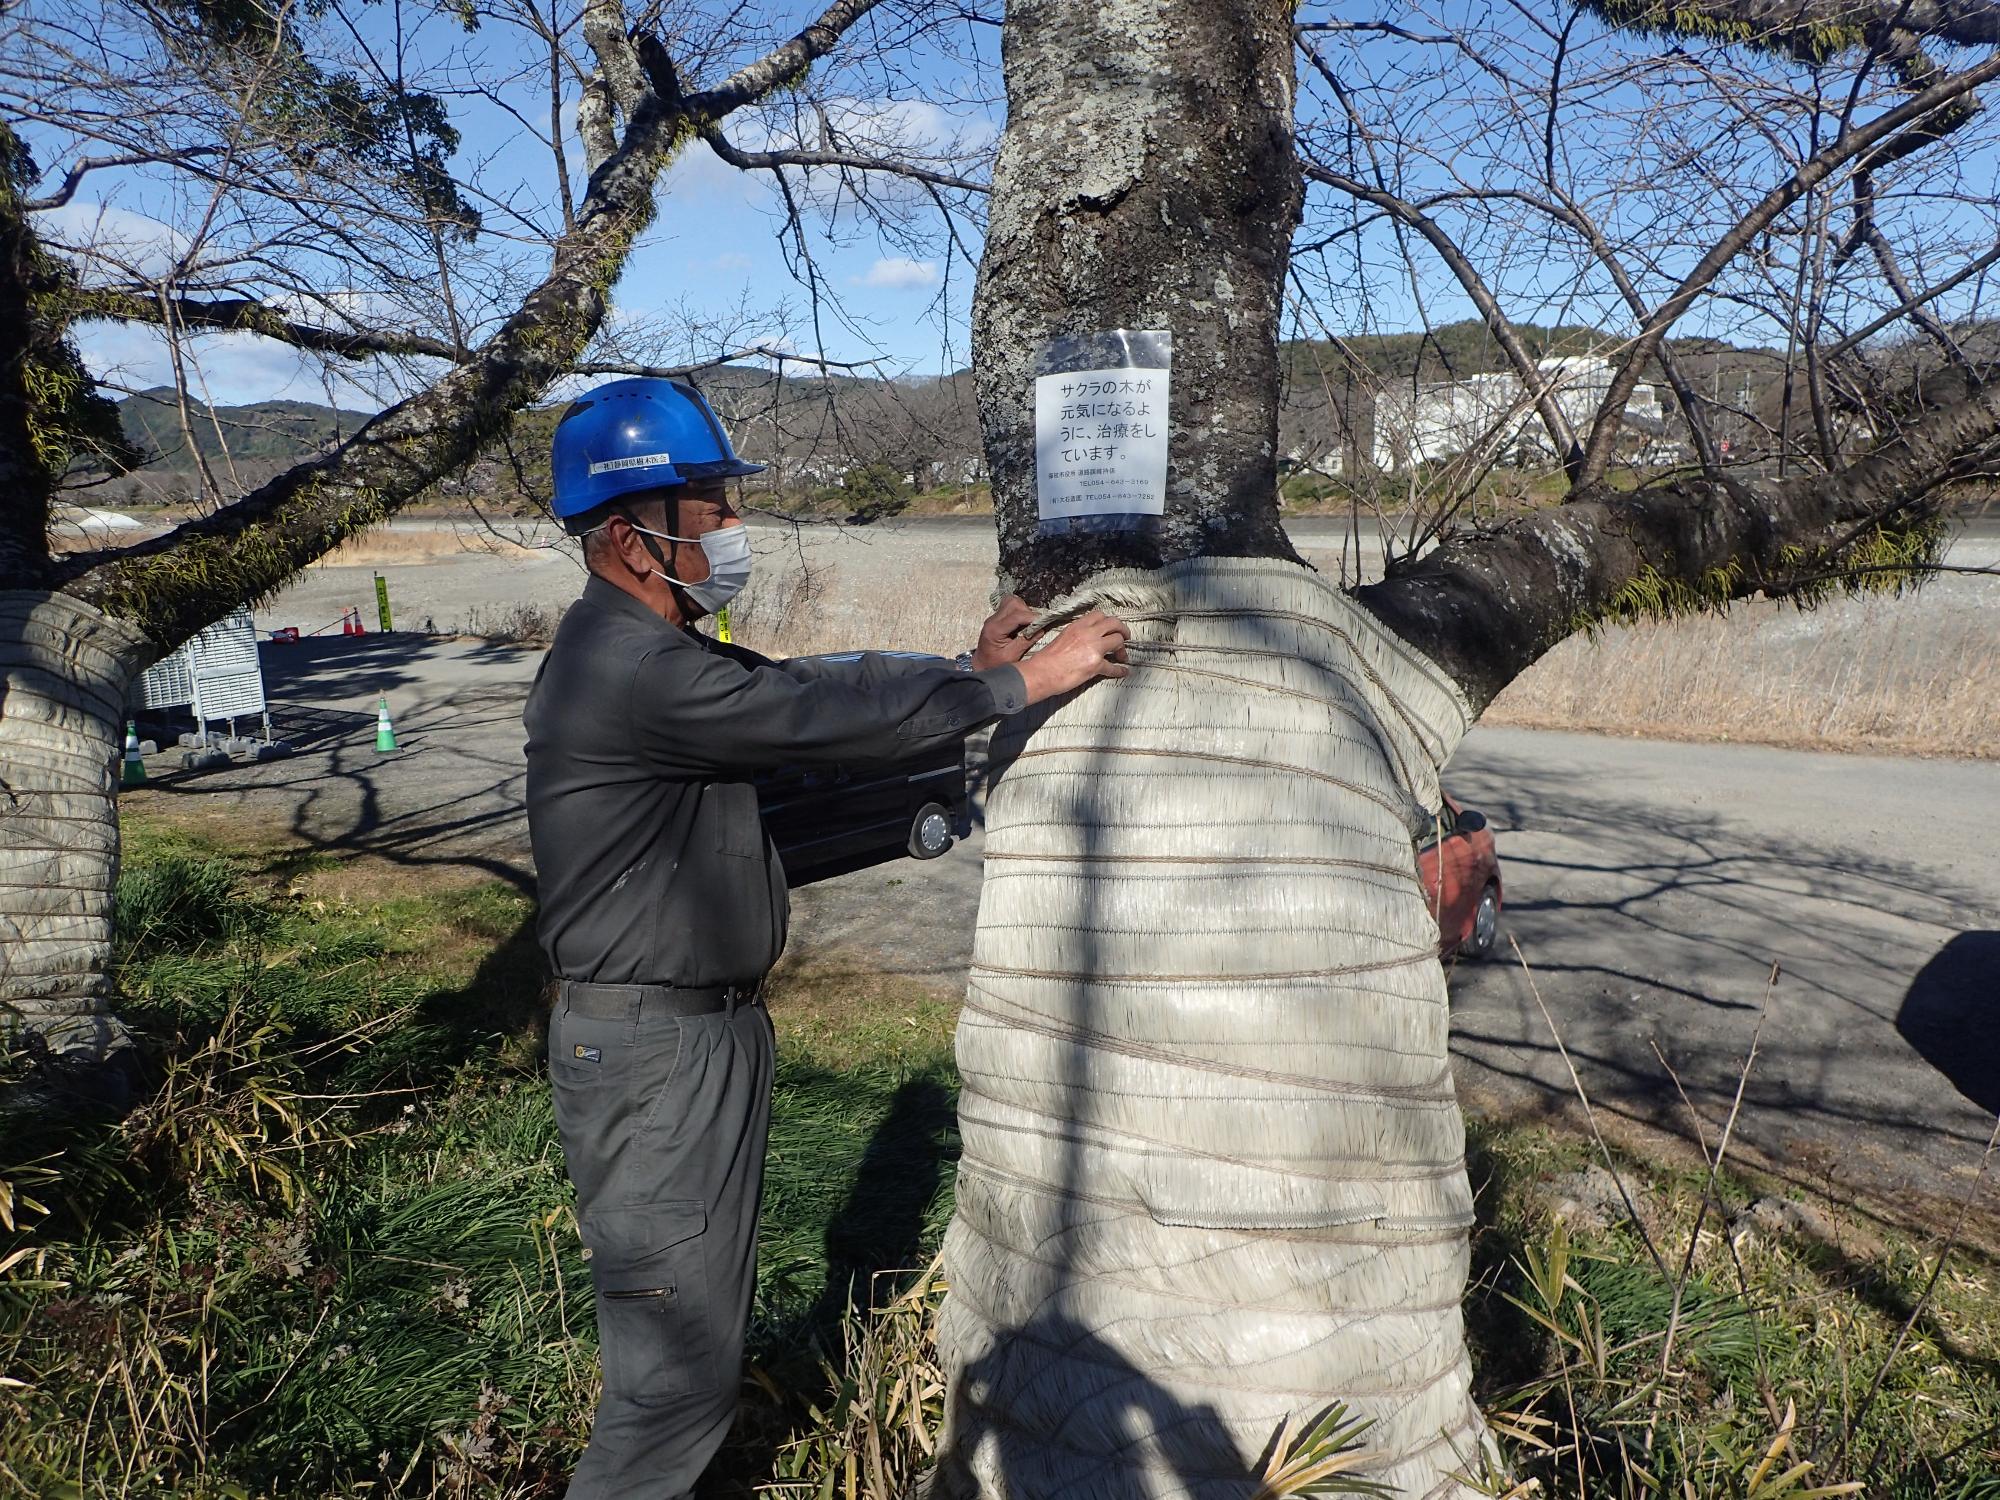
(413, 545)
(1893, 676)
(1915, 675)
(332, 1250)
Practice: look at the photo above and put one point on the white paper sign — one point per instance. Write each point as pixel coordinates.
(1101, 443)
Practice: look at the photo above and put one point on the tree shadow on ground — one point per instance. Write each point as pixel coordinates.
(1648, 923)
(1026, 1417)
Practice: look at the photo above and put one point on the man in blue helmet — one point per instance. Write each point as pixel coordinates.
(663, 903)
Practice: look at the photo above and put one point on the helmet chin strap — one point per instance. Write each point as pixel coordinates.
(689, 610)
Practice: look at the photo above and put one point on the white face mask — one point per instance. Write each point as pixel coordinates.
(727, 549)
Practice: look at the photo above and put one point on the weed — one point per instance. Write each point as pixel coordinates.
(519, 623)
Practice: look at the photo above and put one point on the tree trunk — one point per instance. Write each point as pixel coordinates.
(1147, 180)
(1213, 1169)
(64, 669)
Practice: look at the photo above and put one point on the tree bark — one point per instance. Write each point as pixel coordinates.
(1147, 180)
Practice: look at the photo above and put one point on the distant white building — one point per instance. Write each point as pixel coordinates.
(1443, 418)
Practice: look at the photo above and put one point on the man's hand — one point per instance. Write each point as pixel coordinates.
(1087, 648)
(1006, 635)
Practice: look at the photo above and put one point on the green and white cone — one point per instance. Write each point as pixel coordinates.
(135, 765)
(385, 732)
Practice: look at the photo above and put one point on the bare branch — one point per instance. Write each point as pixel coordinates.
(792, 59)
(617, 60)
(770, 161)
(1597, 455)
(1486, 606)
(245, 315)
(1539, 388)
(73, 178)
(754, 351)
(1802, 25)
(1916, 299)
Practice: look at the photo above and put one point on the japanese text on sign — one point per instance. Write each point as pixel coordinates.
(1101, 442)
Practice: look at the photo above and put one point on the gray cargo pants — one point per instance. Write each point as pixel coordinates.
(663, 1120)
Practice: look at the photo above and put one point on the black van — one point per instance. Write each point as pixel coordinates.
(832, 819)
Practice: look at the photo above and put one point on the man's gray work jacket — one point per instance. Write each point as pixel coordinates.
(642, 737)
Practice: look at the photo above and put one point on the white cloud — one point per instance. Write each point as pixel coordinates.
(112, 242)
(899, 273)
(228, 368)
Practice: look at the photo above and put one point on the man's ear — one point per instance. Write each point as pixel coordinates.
(636, 550)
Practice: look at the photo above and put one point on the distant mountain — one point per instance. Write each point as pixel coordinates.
(264, 434)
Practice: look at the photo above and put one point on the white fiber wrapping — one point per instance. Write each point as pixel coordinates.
(1213, 1169)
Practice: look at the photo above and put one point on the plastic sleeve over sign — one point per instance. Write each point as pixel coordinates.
(1100, 447)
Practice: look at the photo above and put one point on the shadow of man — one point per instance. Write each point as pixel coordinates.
(1951, 1015)
(886, 1219)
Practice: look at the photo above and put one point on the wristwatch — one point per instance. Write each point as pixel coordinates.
(963, 661)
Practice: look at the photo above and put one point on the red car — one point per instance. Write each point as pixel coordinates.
(1460, 870)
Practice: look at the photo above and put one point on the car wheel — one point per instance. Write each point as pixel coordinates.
(1485, 925)
(930, 832)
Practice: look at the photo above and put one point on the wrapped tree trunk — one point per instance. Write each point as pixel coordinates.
(1213, 1168)
(65, 667)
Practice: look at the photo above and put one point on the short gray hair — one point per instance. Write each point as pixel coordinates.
(597, 540)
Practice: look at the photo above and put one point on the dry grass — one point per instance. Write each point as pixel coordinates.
(795, 611)
(1895, 676)
(381, 545)
(1901, 676)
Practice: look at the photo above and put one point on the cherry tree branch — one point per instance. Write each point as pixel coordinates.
(770, 161)
(247, 315)
(1913, 114)
(176, 584)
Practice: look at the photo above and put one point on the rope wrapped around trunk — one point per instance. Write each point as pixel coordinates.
(1213, 1170)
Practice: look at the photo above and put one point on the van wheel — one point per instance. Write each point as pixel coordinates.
(930, 832)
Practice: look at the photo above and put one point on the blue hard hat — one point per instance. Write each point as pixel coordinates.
(637, 435)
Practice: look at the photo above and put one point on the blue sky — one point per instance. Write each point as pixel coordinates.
(714, 254)
(713, 250)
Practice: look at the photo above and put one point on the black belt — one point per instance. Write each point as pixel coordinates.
(620, 1002)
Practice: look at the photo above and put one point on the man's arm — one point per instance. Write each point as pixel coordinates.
(702, 713)
(1003, 640)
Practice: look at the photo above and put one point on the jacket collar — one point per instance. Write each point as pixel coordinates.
(614, 600)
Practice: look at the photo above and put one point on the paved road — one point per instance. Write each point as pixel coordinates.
(1651, 886)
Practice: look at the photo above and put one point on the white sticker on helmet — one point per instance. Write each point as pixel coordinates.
(642, 461)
